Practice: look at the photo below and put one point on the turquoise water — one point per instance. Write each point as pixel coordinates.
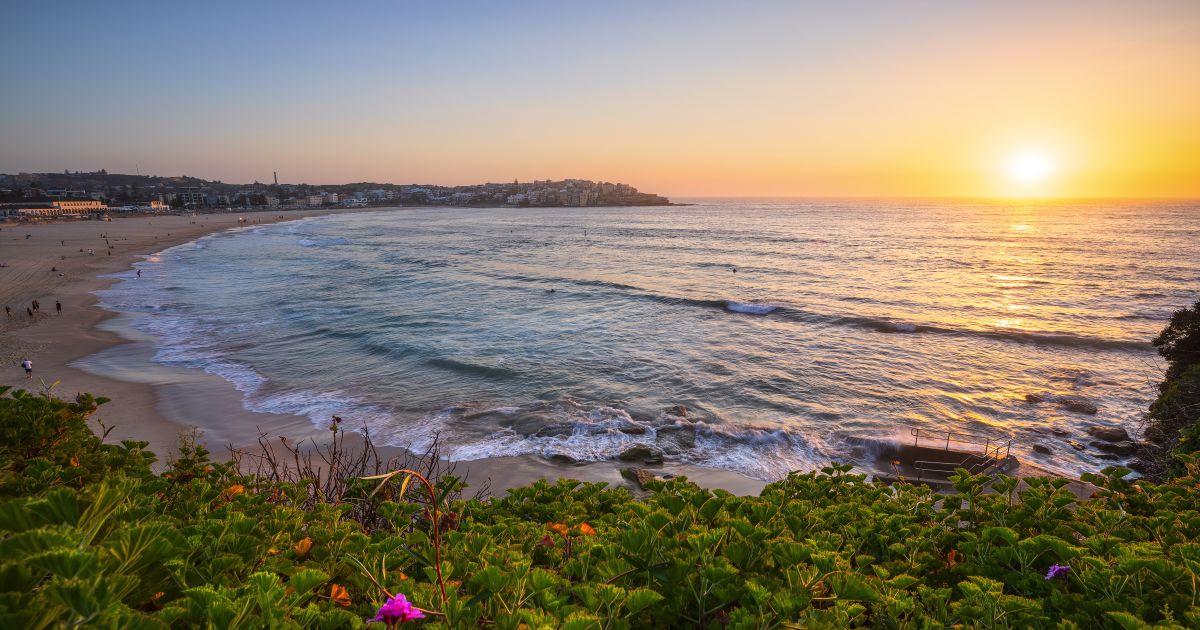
(786, 329)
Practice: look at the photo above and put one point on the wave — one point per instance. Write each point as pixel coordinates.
(750, 309)
(593, 432)
(878, 324)
(474, 369)
(886, 325)
(321, 242)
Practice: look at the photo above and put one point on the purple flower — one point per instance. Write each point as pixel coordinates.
(397, 610)
(1057, 570)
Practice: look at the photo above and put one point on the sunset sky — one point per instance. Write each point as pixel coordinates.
(680, 98)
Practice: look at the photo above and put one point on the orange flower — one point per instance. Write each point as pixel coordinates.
(562, 530)
(232, 491)
(952, 558)
(157, 596)
(303, 547)
(339, 595)
(75, 461)
(587, 530)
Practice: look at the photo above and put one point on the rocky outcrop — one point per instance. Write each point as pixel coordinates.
(1109, 434)
(638, 476)
(1123, 448)
(642, 453)
(1077, 405)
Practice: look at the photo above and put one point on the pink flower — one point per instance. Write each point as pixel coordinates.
(397, 610)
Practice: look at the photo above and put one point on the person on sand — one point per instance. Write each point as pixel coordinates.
(28, 365)
(58, 306)
(36, 306)
(8, 310)
(30, 311)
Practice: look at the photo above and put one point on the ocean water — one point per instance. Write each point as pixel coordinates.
(755, 336)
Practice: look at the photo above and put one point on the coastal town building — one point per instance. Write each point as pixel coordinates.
(143, 193)
(79, 206)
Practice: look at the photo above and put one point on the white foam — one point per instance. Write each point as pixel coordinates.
(750, 309)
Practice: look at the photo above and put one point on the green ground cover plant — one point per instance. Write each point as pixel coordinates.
(90, 536)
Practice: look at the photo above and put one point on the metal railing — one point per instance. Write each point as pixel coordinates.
(994, 453)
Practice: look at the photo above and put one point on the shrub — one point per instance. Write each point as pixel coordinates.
(1173, 424)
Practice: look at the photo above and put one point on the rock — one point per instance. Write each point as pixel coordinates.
(1060, 432)
(1138, 465)
(563, 458)
(1034, 398)
(1044, 450)
(638, 476)
(554, 430)
(1109, 434)
(1122, 448)
(643, 453)
(678, 410)
(632, 429)
(1076, 445)
(1078, 406)
(676, 438)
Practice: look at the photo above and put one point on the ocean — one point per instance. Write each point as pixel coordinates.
(758, 336)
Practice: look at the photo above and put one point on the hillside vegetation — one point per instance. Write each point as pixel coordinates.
(1173, 424)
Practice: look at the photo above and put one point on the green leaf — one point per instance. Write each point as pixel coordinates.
(304, 581)
(1127, 621)
(640, 599)
(992, 534)
(850, 586)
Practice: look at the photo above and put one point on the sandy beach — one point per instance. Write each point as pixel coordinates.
(66, 262)
(90, 349)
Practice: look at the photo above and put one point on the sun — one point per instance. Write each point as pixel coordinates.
(1032, 166)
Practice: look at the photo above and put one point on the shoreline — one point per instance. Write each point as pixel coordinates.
(56, 343)
(94, 350)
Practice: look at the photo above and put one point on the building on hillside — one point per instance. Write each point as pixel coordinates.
(79, 206)
(190, 196)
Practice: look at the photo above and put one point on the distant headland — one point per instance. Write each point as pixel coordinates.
(185, 192)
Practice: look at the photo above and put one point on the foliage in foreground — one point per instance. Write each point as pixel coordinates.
(90, 537)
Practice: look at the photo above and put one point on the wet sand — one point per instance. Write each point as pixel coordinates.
(89, 349)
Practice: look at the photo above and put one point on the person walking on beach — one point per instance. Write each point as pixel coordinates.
(28, 365)
(36, 306)
(8, 310)
(58, 306)
(30, 311)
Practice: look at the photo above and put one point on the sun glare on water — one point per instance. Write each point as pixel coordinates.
(1032, 166)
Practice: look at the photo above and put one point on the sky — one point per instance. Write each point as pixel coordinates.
(695, 98)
